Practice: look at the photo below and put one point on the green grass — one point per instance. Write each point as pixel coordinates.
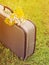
(38, 12)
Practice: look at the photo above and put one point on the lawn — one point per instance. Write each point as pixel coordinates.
(38, 12)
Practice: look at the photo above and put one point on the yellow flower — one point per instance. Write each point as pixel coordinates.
(19, 12)
(8, 22)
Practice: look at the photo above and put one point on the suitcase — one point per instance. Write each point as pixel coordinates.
(18, 38)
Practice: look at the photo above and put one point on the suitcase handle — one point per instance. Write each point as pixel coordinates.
(8, 8)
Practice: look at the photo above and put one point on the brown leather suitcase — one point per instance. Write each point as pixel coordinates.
(18, 38)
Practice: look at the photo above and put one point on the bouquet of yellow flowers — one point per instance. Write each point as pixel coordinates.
(11, 18)
(15, 18)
